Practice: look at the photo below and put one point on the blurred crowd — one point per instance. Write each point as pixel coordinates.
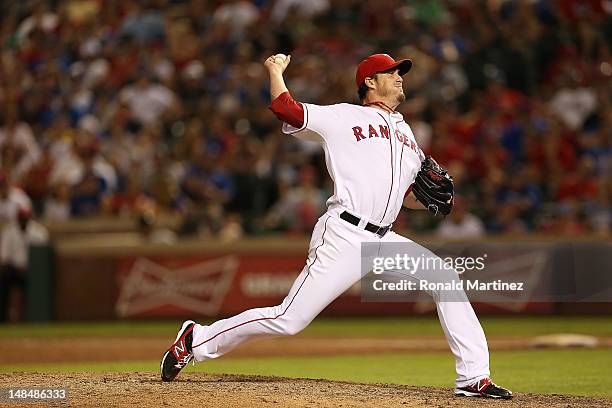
(141, 108)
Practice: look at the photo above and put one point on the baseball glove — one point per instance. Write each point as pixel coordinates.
(433, 187)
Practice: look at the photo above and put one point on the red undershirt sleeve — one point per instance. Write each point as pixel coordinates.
(288, 110)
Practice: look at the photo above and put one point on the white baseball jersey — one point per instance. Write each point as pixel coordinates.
(373, 158)
(371, 155)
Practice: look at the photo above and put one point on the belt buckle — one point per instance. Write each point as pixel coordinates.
(384, 230)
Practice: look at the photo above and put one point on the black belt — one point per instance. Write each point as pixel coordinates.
(350, 218)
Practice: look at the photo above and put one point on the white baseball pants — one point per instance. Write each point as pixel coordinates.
(333, 266)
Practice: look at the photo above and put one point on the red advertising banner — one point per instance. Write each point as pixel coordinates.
(208, 281)
(209, 286)
(172, 286)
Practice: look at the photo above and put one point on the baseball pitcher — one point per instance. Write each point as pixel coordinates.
(377, 167)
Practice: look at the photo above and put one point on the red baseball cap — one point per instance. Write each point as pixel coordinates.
(379, 63)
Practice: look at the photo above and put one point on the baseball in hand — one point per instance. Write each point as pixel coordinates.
(280, 57)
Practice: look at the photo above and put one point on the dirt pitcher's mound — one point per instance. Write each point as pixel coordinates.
(201, 390)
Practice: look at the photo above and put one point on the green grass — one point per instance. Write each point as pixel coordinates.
(576, 372)
(89, 329)
(430, 326)
(404, 326)
(573, 372)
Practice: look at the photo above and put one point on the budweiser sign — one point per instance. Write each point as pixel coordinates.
(198, 288)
